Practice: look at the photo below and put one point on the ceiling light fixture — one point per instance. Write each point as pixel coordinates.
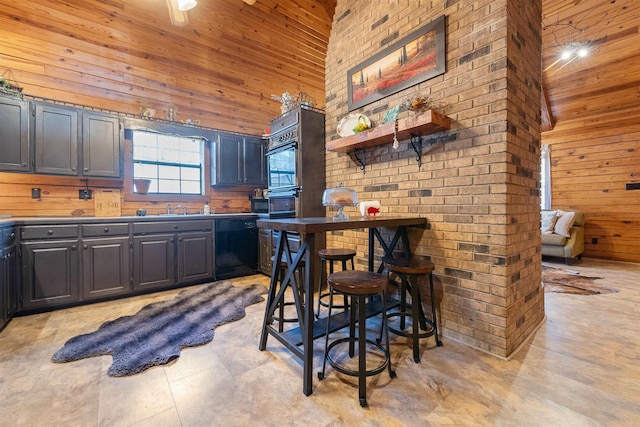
(184, 5)
(178, 15)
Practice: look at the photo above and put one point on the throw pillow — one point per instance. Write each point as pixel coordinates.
(549, 219)
(564, 223)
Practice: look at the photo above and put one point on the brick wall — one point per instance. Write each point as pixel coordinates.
(478, 181)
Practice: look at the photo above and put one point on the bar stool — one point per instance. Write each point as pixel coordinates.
(282, 304)
(358, 285)
(331, 255)
(408, 269)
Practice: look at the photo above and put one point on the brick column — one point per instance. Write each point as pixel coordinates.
(478, 183)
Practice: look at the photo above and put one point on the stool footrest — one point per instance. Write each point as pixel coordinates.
(409, 334)
(355, 373)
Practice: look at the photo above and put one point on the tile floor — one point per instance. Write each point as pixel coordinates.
(581, 368)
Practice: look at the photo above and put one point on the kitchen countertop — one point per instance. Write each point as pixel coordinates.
(45, 220)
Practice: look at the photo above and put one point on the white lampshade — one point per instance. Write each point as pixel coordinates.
(184, 5)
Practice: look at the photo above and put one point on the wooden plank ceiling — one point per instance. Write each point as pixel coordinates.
(221, 68)
(606, 82)
(230, 59)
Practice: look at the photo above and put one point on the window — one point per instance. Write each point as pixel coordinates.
(545, 177)
(174, 164)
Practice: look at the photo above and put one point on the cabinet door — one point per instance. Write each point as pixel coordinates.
(154, 261)
(49, 273)
(100, 145)
(254, 162)
(14, 143)
(266, 251)
(56, 131)
(195, 257)
(105, 267)
(11, 276)
(3, 291)
(226, 162)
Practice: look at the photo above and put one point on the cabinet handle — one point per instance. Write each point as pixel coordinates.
(73, 169)
(106, 229)
(13, 235)
(85, 170)
(49, 232)
(175, 227)
(85, 246)
(23, 164)
(73, 247)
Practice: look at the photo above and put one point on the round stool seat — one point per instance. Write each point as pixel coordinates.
(337, 254)
(409, 265)
(359, 283)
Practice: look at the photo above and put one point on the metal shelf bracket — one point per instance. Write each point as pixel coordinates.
(416, 144)
(359, 156)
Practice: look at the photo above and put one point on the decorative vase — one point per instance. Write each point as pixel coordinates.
(142, 185)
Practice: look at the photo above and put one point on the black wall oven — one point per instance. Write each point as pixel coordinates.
(282, 167)
(295, 163)
(283, 182)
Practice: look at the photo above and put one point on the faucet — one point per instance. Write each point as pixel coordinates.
(170, 209)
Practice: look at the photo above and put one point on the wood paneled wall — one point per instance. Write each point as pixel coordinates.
(590, 165)
(122, 55)
(596, 105)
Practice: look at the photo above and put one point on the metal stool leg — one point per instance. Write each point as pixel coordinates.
(433, 311)
(362, 351)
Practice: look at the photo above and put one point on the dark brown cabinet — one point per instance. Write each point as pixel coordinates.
(56, 139)
(106, 267)
(195, 258)
(238, 160)
(154, 261)
(64, 264)
(14, 143)
(74, 142)
(156, 246)
(266, 251)
(8, 277)
(101, 147)
(50, 272)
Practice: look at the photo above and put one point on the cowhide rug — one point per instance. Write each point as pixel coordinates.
(571, 282)
(156, 334)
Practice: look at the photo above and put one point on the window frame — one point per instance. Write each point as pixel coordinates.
(159, 164)
(133, 124)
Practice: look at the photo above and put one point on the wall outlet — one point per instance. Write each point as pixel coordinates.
(85, 194)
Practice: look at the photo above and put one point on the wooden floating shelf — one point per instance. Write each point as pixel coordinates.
(422, 123)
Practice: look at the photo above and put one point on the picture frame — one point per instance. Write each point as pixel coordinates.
(413, 59)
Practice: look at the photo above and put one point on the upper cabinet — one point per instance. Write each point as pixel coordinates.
(14, 139)
(63, 133)
(255, 166)
(56, 132)
(101, 147)
(238, 160)
(58, 140)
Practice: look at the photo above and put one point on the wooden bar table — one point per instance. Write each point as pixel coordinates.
(300, 340)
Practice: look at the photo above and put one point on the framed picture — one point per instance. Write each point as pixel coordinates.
(411, 60)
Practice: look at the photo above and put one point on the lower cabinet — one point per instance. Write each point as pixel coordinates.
(106, 267)
(50, 273)
(195, 257)
(61, 265)
(154, 261)
(10, 268)
(8, 276)
(266, 251)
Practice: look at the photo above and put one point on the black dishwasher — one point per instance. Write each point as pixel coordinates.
(236, 245)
